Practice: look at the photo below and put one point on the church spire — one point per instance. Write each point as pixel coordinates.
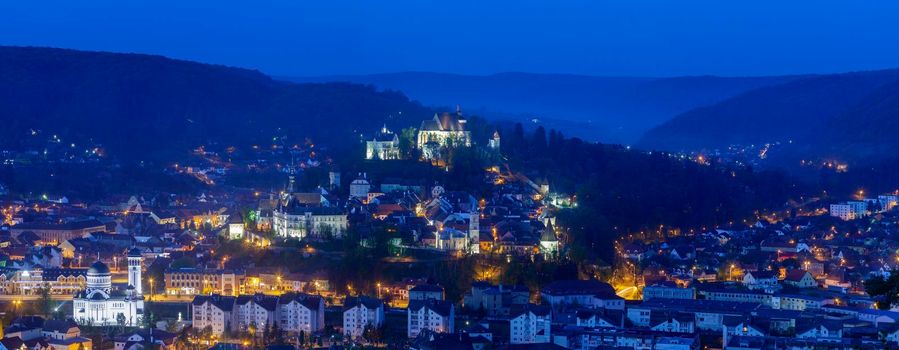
(549, 234)
(291, 183)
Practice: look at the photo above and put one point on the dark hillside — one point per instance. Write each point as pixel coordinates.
(150, 107)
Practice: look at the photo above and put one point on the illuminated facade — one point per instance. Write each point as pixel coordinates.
(192, 281)
(442, 131)
(100, 304)
(434, 315)
(300, 222)
(30, 281)
(385, 146)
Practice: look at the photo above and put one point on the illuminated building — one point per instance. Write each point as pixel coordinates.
(100, 304)
(442, 131)
(359, 312)
(549, 244)
(434, 315)
(385, 145)
(530, 324)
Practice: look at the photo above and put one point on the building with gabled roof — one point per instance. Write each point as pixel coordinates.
(301, 312)
(214, 311)
(55, 233)
(530, 324)
(360, 312)
(800, 279)
(256, 309)
(584, 293)
(145, 338)
(445, 130)
(599, 318)
(433, 315)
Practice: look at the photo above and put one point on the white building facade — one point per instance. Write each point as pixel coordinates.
(213, 311)
(849, 210)
(300, 222)
(301, 312)
(530, 325)
(383, 146)
(291, 312)
(100, 304)
(434, 315)
(361, 312)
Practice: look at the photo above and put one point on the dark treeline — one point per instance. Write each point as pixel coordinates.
(155, 109)
(620, 190)
(874, 177)
(94, 181)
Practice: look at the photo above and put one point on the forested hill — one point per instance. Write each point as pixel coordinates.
(147, 107)
(851, 116)
(606, 109)
(620, 190)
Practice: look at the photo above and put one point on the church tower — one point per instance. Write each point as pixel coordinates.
(134, 263)
(334, 179)
(474, 235)
(494, 142)
(291, 183)
(549, 244)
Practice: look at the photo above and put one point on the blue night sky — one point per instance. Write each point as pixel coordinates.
(641, 38)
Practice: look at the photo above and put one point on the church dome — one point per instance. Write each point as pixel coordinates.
(98, 268)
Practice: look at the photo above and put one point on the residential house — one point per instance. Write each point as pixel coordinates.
(761, 280)
(495, 300)
(214, 311)
(301, 312)
(580, 293)
(146, 338)
(257, 310)
(530, 324)
(361, 312)
(800, 279)
(433, 315)
(426, 292)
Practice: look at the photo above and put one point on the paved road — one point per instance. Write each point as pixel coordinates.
(156, 298)
(13, 297)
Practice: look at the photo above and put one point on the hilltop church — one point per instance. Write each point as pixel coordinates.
(442, 131)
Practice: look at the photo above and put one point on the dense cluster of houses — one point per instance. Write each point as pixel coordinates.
(587, 314)
(37, 333)
(512, 221)
(797, 283)
(51, 246)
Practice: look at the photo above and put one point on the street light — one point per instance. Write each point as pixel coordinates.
(379, 290)
(151, 289)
